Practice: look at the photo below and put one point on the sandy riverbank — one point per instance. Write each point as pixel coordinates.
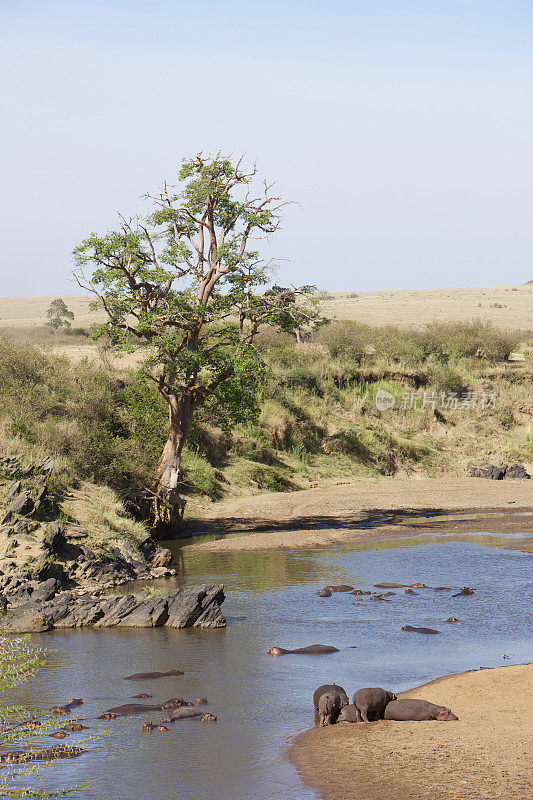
(483, 756)
(360, 511)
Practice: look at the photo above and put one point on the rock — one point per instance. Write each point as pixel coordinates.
(128, 552)
(22, 504)
(161, 572)
(46, 590)
(13, 489)
(516, 472)
(162, 557)
(189, 606)
(149, 614)
(54, 538)
(44, 569)
(192, 606)
(500, 472)
(147, 546)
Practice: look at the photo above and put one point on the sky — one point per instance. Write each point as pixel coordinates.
(401, 129)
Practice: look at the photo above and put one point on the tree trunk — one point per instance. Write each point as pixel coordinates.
(167, 505)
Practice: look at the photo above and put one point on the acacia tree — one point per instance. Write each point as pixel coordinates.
(186, 282)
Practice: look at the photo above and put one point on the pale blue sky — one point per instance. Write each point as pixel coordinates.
(403, 129)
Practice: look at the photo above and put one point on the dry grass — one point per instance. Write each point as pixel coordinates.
(407, 308)
(98, 512)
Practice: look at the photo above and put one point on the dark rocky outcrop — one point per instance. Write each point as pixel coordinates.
(500, 472)
(197, 607)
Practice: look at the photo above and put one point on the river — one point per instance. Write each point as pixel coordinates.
(263, 702)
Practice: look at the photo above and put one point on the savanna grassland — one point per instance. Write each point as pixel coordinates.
(459, 399)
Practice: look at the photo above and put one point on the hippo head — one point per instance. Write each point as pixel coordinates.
(391, 696)
(274, 651)
(445, 715)
(174, 702)
(176, 672)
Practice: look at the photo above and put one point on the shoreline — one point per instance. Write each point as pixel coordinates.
(366, 511)
(418, 760)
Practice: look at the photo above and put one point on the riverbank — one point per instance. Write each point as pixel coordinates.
(482, 756)
(346, 512)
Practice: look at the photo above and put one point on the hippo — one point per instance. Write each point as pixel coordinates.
(151, 676)
(360, 592)
(148, 726)
(182, 713)
(371, 702)
(329, 706)
(332, 688)
(208, 718)
(342, 588)
(379, 597)
(451, 619)
(389, 585)
(75, 727)
(349, 713)
(418, 586)
(310, 650)
(466, 590)
(107, 715)
(442, 589)
(418, 630)
(49, 754)
(66, 709)
(137, 708)
(410, 591)
(142, 696)
(417, 710)
(324, 593)
(201, 701)
(59, 734)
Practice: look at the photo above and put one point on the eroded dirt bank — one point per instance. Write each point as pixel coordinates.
(483, 756)
(377, 509)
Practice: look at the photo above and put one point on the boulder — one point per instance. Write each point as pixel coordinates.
(46, 590)
(162, 557)
(190, 605)
(54, 538)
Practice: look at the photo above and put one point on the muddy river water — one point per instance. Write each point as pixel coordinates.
(262, 702)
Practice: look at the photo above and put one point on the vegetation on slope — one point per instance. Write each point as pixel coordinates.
(314, 418)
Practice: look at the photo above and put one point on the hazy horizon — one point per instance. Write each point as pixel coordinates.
(401, 131)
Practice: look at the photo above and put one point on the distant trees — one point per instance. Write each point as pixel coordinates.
(186, 283)
(59, 315)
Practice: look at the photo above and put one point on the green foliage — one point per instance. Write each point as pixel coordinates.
(59, 315)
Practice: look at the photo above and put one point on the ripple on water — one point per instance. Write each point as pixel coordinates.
(262, 702)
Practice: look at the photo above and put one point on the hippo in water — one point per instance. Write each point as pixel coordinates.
(418, 630)
(342, 588)
(66, 709)
(410, 591)
(182, 713)
(324, 593)
(151, 676)
(331, 688)
(465, 591)
(389, 585)
(329, 706)
(417, 710)
(310, 650)
(371, 702)
(137, 708)
(451, 619)
(349, 713)
(360, 592)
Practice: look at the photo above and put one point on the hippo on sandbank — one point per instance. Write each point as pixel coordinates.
(418, 711)
(331, 688)
(310, 650)
(349, 713)
(329, 707)
(371, 702)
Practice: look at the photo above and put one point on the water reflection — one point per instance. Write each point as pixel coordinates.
(263, 702)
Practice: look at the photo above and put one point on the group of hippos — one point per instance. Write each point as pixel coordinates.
(177, 709)
(371, 704)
